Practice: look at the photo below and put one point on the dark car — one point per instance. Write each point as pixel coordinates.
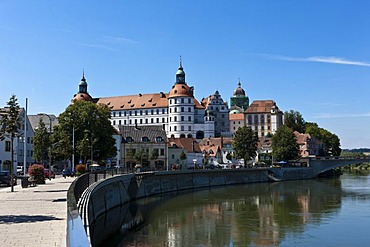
(67, 172)
(46, 173)
(5, 178)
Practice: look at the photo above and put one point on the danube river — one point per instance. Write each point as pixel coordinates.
(327, 212)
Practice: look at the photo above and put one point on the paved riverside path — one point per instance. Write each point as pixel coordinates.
(34, 216)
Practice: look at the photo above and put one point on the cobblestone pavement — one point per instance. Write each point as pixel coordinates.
(34, 216)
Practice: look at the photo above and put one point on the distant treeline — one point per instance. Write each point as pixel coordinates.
(357, 150)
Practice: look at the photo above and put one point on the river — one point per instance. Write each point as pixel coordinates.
(326, 212)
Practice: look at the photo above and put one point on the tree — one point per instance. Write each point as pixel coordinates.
(10, 123)
(331, 142)
(245, 143)
(294, 120)
(92, 130)
(41, 142)
(284, 144)
(182, 157)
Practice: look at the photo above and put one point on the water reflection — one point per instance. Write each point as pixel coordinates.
(248, 215)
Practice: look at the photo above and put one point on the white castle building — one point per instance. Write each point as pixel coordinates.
(178, 112)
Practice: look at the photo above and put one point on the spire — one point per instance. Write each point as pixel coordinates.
(180, 74)
(239, 84)
(180, 62)
(83, 75)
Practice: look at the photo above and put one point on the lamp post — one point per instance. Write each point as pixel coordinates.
(50, 148)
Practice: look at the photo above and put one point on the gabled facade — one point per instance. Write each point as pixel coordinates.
(237, 120)
(187, 145)
(264, 117)
(216, 107)
(308, 144)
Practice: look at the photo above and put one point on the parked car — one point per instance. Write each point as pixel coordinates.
(19, 170)
(5, 178)
(46, 173)
(67, 172)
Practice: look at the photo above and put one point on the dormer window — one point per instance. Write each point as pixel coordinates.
(145, 139)
(158, 139)
(129, 139)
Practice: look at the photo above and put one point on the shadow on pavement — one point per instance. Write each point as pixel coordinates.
(9, 219)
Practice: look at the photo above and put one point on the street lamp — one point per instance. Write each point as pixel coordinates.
(50, 148)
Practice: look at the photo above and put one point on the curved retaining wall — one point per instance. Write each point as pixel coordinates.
(113, 192)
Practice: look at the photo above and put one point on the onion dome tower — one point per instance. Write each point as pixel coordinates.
(181, 107)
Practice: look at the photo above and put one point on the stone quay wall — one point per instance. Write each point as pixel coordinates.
(113, 192)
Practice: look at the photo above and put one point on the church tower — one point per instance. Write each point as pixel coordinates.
(240, 101)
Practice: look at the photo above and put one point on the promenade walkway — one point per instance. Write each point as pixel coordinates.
(34, 216)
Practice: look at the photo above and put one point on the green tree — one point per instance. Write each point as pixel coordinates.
(154, 154)
(92, 130)
(245, 143)
(284, 144)
(294, 120)
(10, 123)
(331, 142)
(41, 142)
(182, 157)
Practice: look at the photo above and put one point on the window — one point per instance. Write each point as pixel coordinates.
(222, 115)
(135, 121)
(163, 120)
(145, 139)
(146, 112)
(151, 111)
(175, 119)
(130, 113)
(28, 140)
(157, 120)
(170, 101)
(119, 113)
(7, 146)
(175, 128)
(189, 128)
(141, 121)
(182, 128)
(157, 111)
(124, 113)
(124, 122)
(189, 109)
(182, 109)
(119, 122)
(159, 139)
(175, 109)
(163, 111)
(130, 121)
(114, 122)
(114, 114)
(135, 113)
(129, 139)
(141, 112)
(189, 118)
(182, 118)
(152, 120)
(182, 100)
(162, 151)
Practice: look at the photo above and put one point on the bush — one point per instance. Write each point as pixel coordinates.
(80, 169)
(36, 171)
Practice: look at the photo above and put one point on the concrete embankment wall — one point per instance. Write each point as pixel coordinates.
(113, 192)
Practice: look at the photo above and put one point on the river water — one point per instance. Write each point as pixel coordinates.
(327, 212)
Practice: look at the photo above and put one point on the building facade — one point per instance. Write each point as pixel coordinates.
(264, 117)
(22, 145)
(216, 107)
(178, 112)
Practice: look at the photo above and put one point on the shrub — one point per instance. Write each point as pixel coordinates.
(36, 171)
(80, 169)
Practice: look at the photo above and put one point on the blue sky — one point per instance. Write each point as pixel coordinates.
(309, 56)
